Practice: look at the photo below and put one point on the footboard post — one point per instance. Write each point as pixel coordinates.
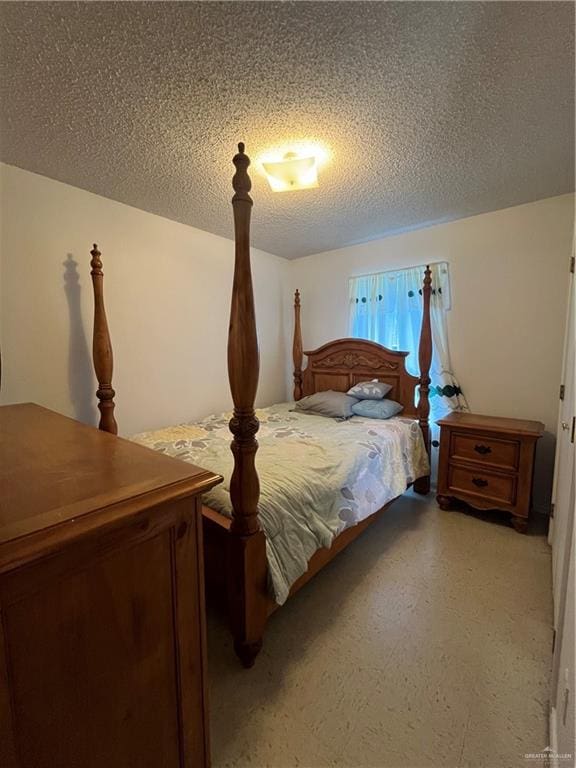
(422, 484)
(247, 569)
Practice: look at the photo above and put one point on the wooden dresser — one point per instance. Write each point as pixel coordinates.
(102, 637)
(488, 462)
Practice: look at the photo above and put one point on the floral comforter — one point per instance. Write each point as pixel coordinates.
(317, 475)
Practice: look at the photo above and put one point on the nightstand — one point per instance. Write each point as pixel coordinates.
(488, 462)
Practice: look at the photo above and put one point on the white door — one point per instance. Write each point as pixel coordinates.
(562, 714)
(563, 513)
(562, 532)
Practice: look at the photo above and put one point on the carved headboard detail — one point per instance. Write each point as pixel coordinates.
(342, 363)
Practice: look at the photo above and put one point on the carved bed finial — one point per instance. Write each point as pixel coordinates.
(241, 181)
(297, 348)
(96, 261)
(102, 348)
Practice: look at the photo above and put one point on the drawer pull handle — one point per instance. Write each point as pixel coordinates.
(482, 449)
(479, 482)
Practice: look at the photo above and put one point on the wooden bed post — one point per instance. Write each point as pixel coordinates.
(247, 572)
(297, 348)
(422, 484)
(102, 348)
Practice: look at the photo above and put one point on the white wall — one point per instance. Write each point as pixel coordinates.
(167, 289)
(509, 278)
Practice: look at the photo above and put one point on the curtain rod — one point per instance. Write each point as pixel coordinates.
(399, 269)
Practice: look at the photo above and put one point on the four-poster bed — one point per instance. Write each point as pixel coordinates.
(236, 544)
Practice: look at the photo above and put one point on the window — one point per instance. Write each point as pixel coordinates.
(387, 308)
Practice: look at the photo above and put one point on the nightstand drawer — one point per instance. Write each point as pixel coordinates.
(488, 485)
(485, 450)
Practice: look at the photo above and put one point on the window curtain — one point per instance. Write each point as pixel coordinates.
(387, 308)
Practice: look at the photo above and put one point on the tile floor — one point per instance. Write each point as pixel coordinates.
(426, 643)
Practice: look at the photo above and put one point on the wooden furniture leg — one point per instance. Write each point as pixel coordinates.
(445, 502)
(422, 485)
(519, 524)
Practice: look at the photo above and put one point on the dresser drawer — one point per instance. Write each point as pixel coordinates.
(485, 450)
(488, 485)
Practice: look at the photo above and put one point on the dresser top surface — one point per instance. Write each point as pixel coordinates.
(473, 421)
(57, 472)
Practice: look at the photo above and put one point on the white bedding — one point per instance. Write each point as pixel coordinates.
(317, 475)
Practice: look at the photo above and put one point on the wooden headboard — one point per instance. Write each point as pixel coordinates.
(340, 364)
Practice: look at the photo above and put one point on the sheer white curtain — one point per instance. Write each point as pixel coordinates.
(387, 308)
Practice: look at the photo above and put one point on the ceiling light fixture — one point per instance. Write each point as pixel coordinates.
(294, 163)
(291, 173)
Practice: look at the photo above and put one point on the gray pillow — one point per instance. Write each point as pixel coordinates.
(337, 405)
(370, 390)
(377, 409)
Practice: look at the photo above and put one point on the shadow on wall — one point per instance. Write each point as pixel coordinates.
(80, 372)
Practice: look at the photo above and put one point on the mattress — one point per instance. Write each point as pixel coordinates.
(318, 475)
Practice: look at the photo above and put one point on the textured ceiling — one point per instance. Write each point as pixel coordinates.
(432, 111)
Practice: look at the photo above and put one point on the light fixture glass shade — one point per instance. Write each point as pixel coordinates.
(292, 173)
